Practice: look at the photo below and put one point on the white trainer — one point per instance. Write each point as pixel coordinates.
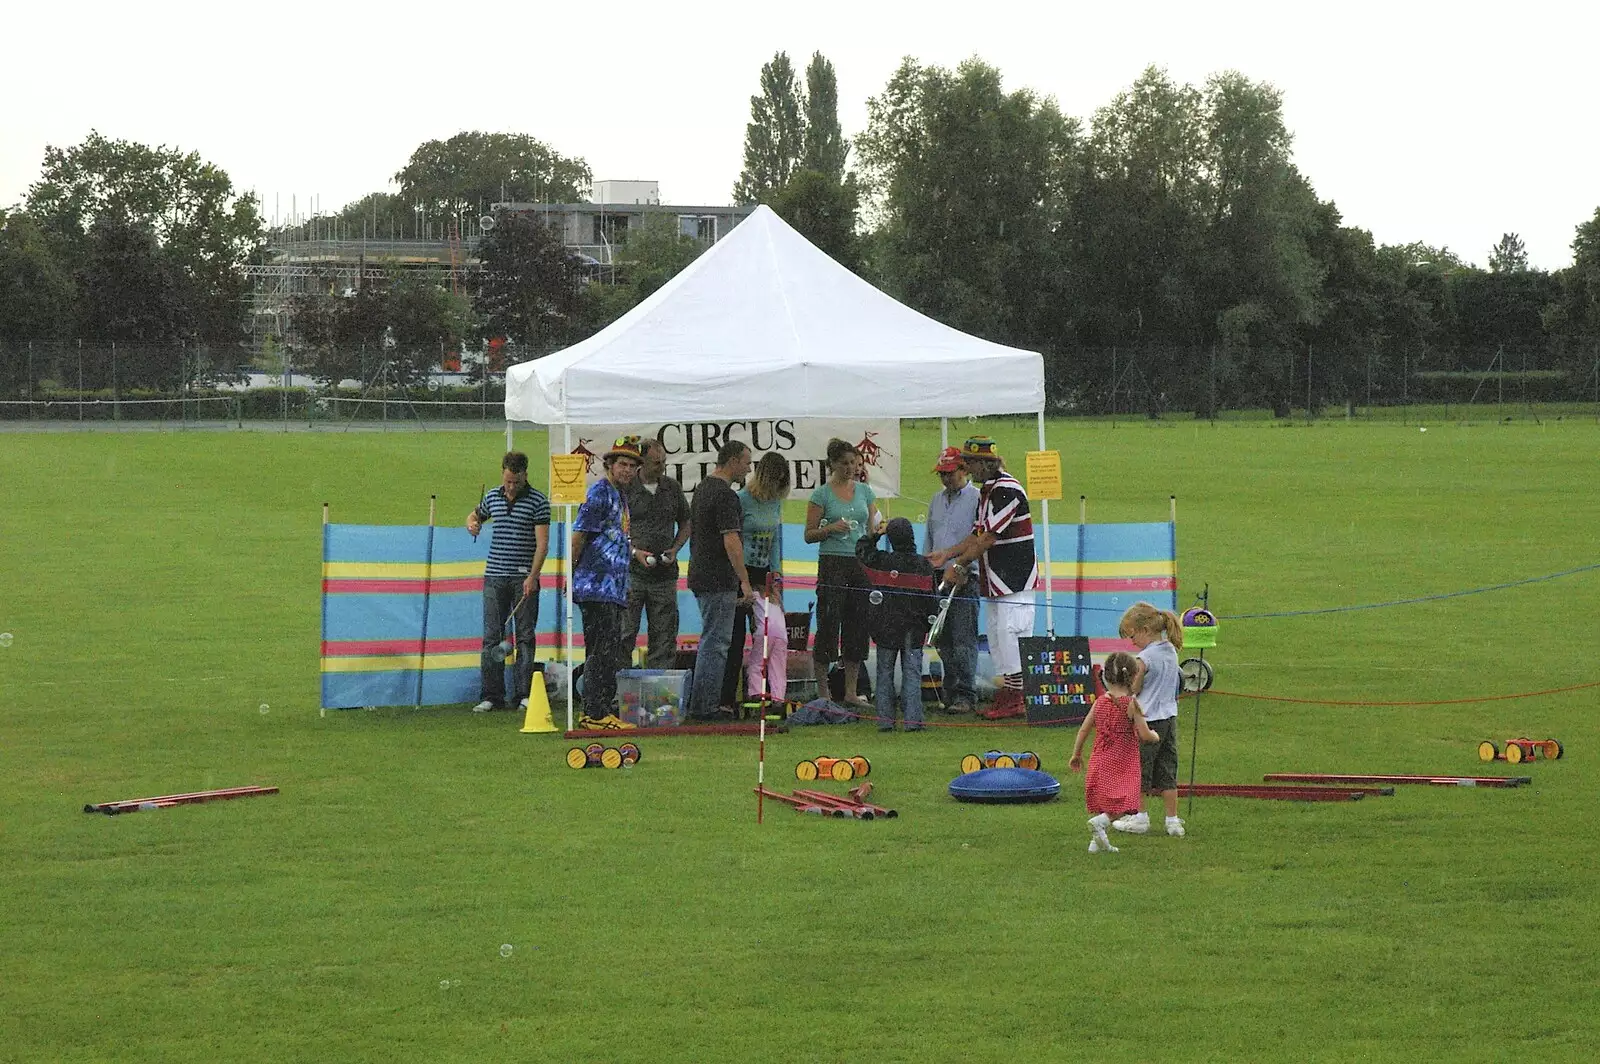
(1134, 823)
(522, 707)
(1174, 827)
(485, 706)
(1098, 824)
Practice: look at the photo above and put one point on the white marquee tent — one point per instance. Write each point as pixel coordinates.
(766, 325)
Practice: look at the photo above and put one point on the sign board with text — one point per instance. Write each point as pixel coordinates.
(692, 446)
(1044, 475)
(1057, 679)
(569, 482)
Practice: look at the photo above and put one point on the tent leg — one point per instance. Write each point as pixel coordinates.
(1049, 617)
(944, 433)
(566, 576)
(509, 445)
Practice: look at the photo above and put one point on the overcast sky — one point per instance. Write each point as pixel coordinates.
(1449, 123)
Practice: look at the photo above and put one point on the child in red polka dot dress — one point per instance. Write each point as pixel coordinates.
(1111, 786)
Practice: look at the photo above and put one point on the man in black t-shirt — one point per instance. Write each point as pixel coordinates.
(717, 574)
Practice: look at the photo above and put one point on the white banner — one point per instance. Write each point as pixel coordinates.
(692, 447)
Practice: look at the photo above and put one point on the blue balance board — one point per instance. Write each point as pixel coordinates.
(1005, 785)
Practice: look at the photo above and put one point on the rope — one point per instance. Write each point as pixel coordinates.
(1435, 702)
(1012, 722)
(1281, 613)
(1411, 601)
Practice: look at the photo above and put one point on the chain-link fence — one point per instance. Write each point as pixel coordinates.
(73, 382)
(66, 382)
(1157, 381)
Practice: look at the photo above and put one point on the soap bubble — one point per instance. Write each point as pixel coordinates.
(933, 619)
(855, 526)
(5, 639)
(922, 517)
(972, 419)
(444, 984)
(876, 598)
(505, 950)
(265, 709)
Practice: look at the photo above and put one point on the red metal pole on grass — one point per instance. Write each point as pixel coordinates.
(761, 731)
(1436, 781)
(844, 806)
(163, 801)
(800, 805)
(1289, 793)
(848, 803)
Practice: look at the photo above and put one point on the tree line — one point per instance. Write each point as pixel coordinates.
(1164, 253)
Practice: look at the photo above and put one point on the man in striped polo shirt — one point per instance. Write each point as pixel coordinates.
(1002, 544)
(521, 538)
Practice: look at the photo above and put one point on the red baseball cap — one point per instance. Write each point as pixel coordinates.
(949, 461)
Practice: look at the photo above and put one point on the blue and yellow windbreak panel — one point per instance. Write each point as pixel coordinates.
(402, 613)
(402, 606)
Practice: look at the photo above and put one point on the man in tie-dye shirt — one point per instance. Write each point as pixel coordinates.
(600, 574)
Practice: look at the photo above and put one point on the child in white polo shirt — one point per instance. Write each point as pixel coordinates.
(1158, 634)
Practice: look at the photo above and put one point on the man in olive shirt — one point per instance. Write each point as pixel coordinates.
(659, 527)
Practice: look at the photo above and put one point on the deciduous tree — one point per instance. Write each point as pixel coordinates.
(200, 232)
(825, 146)
(36, 286)
(1509, 255)
(966, 186)
(528, 289)
(823, 210)
(460, 177)
(774, 140)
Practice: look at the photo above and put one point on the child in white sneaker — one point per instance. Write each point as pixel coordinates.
(1158, 634)
(1111, 785)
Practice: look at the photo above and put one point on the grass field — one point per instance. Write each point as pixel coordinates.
(162, 595)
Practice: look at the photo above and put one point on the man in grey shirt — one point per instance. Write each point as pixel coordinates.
(951, 514)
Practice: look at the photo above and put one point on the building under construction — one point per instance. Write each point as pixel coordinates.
(311, 257)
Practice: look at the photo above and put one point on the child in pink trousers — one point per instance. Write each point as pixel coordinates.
(769, 646)
(1111, 787)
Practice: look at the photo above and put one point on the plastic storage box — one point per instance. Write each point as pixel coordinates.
(652, 698)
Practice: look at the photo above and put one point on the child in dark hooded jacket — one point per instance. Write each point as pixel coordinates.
(901, 599)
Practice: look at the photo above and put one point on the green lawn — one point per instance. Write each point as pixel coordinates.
(162, 595)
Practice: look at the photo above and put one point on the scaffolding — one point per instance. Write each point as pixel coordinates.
(295, 267)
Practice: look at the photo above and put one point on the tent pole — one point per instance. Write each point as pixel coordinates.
(944, 433)
(1049, 617)
(509, 446)
(566, 574)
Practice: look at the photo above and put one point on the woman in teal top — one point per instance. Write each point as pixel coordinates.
(839, 513)
(762, 533)
(762, 503)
